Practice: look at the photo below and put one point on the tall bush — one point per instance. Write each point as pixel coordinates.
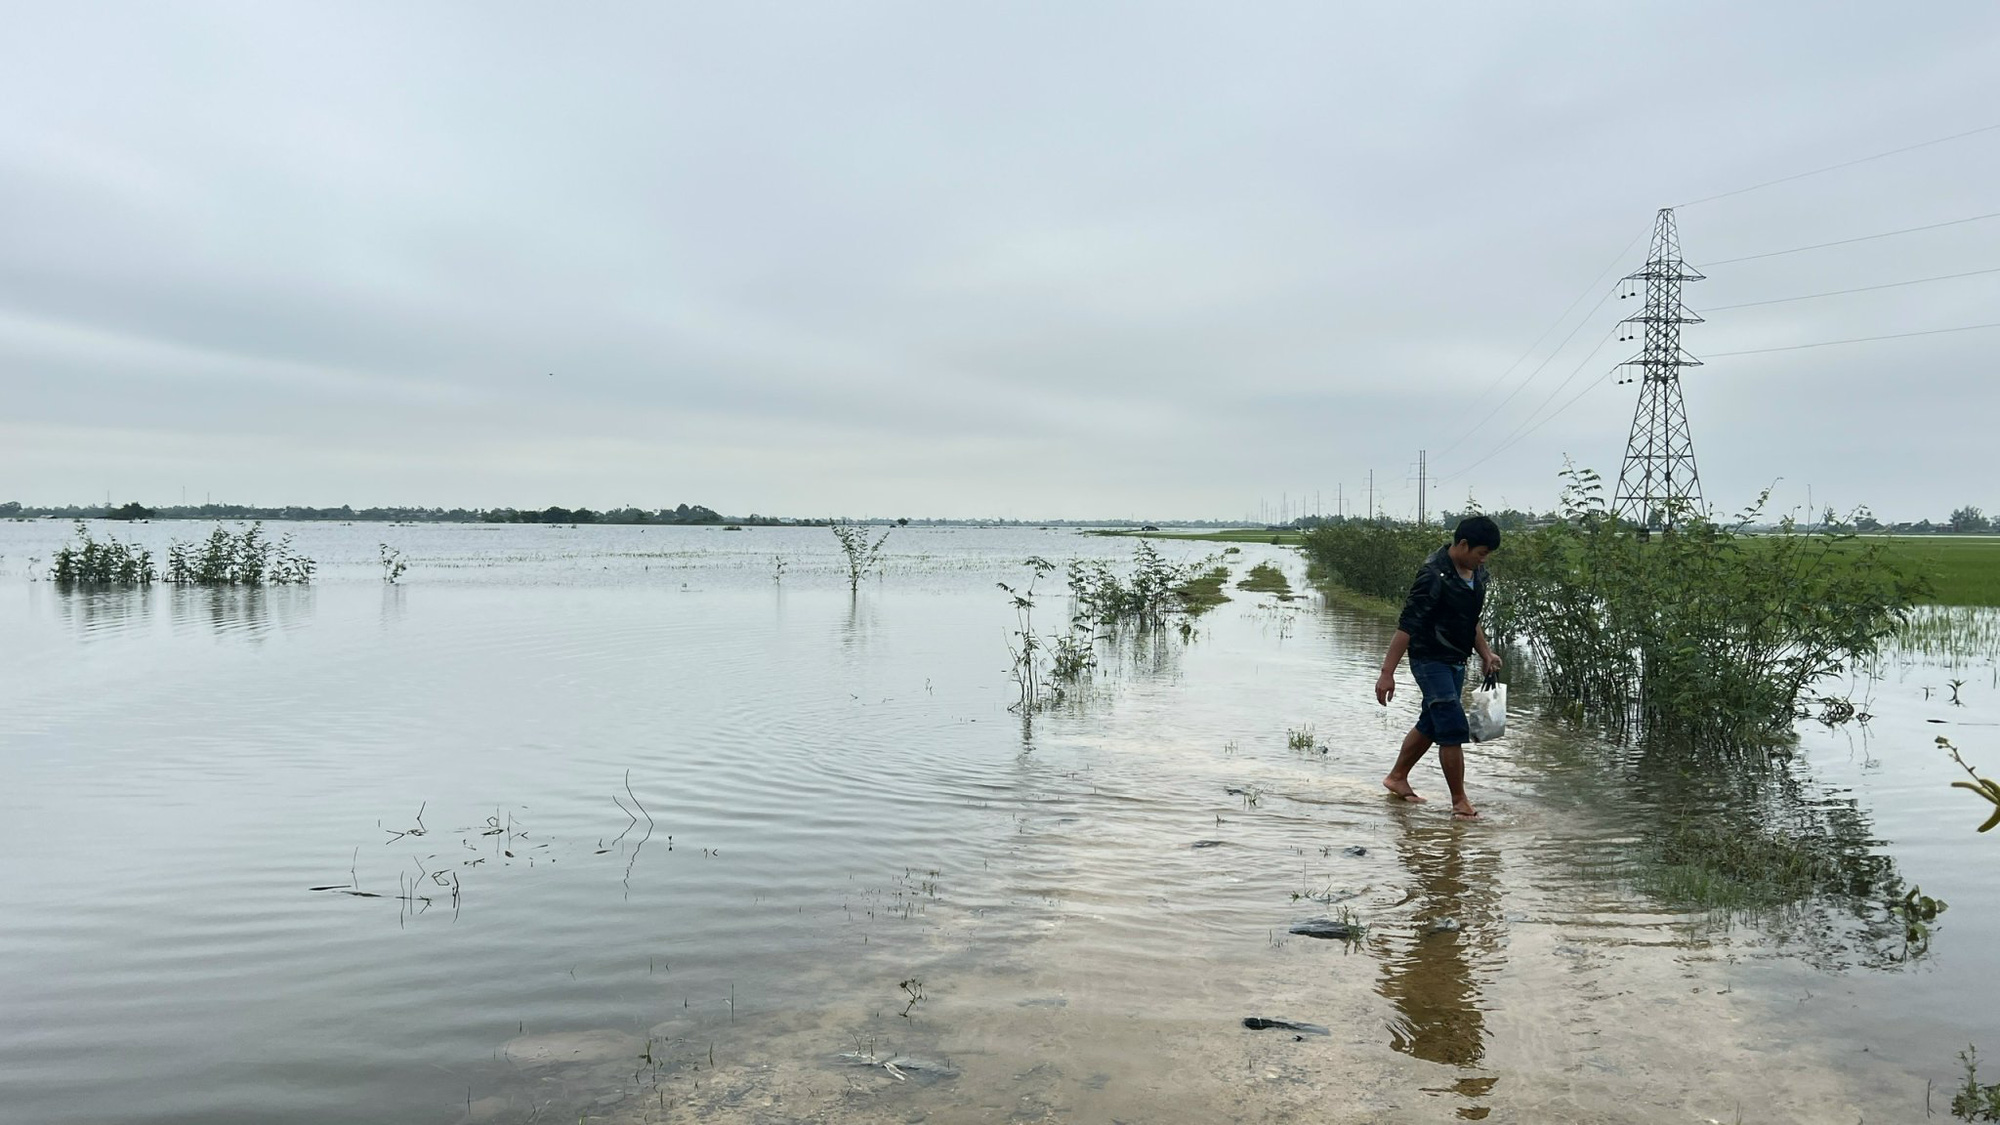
(1372, 557)
(1704, 631)
(88, 562)
(245, 558)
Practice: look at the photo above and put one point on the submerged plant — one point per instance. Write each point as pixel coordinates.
(862, 556)
(1155, 593)
(89, 562)
(245, 558)
(1043, 668)
(1973, 1101)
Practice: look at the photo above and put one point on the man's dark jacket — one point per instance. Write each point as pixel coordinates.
(1442, 612)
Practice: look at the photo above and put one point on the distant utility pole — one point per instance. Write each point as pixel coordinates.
(1421, 512)
(1658, 483)
(1371, 494)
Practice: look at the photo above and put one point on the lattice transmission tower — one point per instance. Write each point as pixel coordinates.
(1657, 484)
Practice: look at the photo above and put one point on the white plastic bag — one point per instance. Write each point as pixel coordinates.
(1486, 712)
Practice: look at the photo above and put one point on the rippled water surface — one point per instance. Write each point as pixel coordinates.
(618, 823)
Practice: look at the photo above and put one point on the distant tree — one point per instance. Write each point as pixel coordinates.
(10, 509)
(1970, 518)
(133, 511)
(553, 514)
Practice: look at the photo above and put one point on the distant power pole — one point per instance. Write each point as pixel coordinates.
(1421, 511)
(1657, 483)
(1371, 494)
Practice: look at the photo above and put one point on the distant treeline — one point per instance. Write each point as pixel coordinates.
(679, 514)
(682, 513)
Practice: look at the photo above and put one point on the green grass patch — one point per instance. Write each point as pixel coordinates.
(1267, 579)
(1368, 604)
(1203, 592)
(1960, 569)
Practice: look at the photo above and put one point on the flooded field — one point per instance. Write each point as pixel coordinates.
(623, 825)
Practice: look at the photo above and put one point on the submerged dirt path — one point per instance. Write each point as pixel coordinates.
(1474, 995)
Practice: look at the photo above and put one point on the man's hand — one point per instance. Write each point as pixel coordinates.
(1492, 662)
(1385, 688)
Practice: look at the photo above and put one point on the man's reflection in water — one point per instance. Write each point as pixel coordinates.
(1430, 971)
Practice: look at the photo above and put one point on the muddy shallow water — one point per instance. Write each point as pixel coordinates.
(657, 835)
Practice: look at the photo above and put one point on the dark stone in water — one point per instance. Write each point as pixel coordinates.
(1234, 790)
(1354, 850)
(1206, 844)
(1327, 928)
(1259, 1023)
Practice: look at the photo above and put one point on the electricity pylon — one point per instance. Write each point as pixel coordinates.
(1657, 483)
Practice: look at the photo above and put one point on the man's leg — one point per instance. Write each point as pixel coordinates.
(1412, 751)
(1452, 758)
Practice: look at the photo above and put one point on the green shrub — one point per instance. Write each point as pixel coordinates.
(1156, 591)
(1372, 557)
(246, 558)
(1704, 631)
(109, 563)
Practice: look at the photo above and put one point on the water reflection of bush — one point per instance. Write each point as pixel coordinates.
(99, 612)
(1732, 835)
(1432, 972)
(248, 610)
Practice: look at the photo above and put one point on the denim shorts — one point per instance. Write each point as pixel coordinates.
(1443, 717)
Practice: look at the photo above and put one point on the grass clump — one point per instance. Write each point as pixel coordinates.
(1203, 592)
(89, 562)
(1950, 635)
(245, 558)
(1267, 579)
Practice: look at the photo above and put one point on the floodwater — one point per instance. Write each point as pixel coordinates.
(621, 825)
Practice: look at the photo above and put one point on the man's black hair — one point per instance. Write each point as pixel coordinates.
(1478, 531)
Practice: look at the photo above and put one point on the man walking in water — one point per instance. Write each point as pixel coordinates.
(1440, 630)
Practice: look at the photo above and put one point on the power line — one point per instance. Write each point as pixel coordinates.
(1862, 289)
(1839, 166)
(1550, 417)
(1856, 340)
(1845, 241)
(1533, 375)
(1517, 432)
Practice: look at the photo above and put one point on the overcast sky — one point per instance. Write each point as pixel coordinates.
(1072, 259)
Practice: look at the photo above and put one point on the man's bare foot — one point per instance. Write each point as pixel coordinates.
(1463, 809)
(1402, 789)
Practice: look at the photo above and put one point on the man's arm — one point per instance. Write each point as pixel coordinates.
(1488, 658)
(1385, 684)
